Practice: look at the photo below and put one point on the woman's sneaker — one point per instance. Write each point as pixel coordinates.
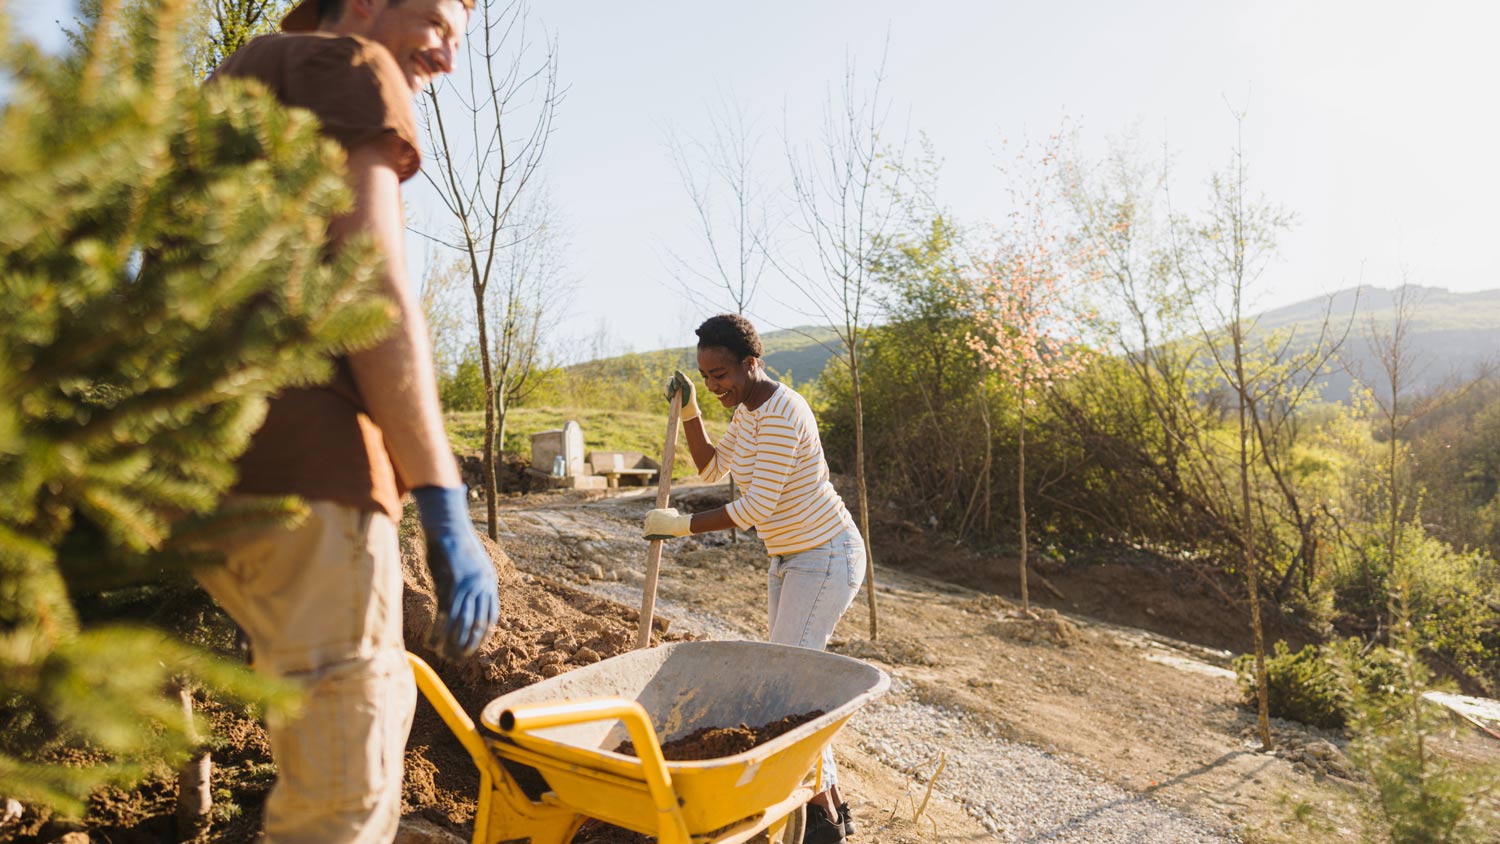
(846, 819)
(820, 829)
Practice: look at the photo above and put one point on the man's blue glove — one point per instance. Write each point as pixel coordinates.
(468, 591)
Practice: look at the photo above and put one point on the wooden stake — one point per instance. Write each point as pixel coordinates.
(663, 495)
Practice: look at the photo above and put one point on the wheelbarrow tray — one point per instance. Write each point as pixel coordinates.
(684, 687)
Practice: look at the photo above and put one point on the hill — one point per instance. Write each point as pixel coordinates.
(1450, 335)
(796, 354)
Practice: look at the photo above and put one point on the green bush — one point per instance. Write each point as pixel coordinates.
(1307, 685)
(463, 389)
(1300, 686)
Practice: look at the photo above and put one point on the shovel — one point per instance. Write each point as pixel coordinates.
(663, 494)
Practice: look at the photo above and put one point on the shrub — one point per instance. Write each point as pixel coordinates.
(1307, 685)
(463, 388)
(1300, 686)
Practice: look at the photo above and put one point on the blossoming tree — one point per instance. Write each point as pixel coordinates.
(1026, 326)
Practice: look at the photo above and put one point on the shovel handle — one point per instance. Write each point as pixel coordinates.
(663, 495)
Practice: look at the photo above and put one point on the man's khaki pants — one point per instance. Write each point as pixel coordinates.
(321, 604)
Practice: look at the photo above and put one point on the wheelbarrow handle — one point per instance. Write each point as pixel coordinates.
(519, 720)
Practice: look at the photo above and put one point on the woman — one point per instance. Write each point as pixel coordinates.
(773, 452)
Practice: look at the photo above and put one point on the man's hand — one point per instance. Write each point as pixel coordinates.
(468, 592)
(680, 383)
(667, 523)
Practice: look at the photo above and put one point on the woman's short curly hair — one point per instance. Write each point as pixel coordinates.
(732, 332)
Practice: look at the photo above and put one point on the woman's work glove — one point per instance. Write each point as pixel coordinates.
(667, 523)
(681, 383)
(468, 591)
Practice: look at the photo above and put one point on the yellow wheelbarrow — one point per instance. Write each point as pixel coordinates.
(546, 760)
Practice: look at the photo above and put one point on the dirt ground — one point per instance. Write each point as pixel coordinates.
(1125, 678)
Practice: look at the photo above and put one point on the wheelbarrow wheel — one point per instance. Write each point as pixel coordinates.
(796, 825)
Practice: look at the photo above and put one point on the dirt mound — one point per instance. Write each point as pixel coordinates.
(891, 651)
(545, 628)
(1038, 626)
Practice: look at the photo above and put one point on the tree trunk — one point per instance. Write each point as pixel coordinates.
(859, 482)
(502, 410)
(195, 797)
(1252, 576)
(989, 459)
(1395, 496)
(1021, 495)
(491, 517)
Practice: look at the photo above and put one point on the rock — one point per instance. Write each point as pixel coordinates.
(11, 811)
(612, 575)
(595, 571)
(421, 831)
(72, 838)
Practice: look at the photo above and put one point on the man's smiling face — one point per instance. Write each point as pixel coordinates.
(423, 35)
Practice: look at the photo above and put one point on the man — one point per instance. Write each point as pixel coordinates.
(321, 602)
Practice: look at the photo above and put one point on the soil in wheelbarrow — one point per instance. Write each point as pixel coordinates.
(717, 742)
(704, 743)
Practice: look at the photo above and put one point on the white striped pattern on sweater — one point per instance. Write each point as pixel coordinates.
(776, 457)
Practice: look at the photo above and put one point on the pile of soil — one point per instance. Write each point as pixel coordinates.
(717, 742)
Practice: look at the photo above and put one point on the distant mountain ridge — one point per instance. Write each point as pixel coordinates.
(1450, 335)
(798, 354)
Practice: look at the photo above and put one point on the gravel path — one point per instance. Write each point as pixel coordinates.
(1017, 792)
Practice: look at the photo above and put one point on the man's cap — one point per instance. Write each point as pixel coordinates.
(304, 16)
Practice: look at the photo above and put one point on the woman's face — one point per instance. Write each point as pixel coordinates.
(725, 375)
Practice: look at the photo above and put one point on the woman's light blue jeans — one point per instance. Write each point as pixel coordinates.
(809, 591)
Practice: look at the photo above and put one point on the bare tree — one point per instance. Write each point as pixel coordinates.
(843, 210)
(484, 164)
(523, 308)
(1219, 258)
(446, 309)
(1399, 402)
(730, 202)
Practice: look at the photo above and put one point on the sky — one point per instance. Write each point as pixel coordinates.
(1373, 122)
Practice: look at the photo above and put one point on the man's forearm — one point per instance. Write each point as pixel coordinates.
(396, 378)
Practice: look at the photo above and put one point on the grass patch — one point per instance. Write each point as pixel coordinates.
(613, 430)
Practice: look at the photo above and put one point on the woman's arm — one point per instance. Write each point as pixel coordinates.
(697, 438)
(711, 520)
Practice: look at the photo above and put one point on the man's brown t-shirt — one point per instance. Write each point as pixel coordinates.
(319, 443)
